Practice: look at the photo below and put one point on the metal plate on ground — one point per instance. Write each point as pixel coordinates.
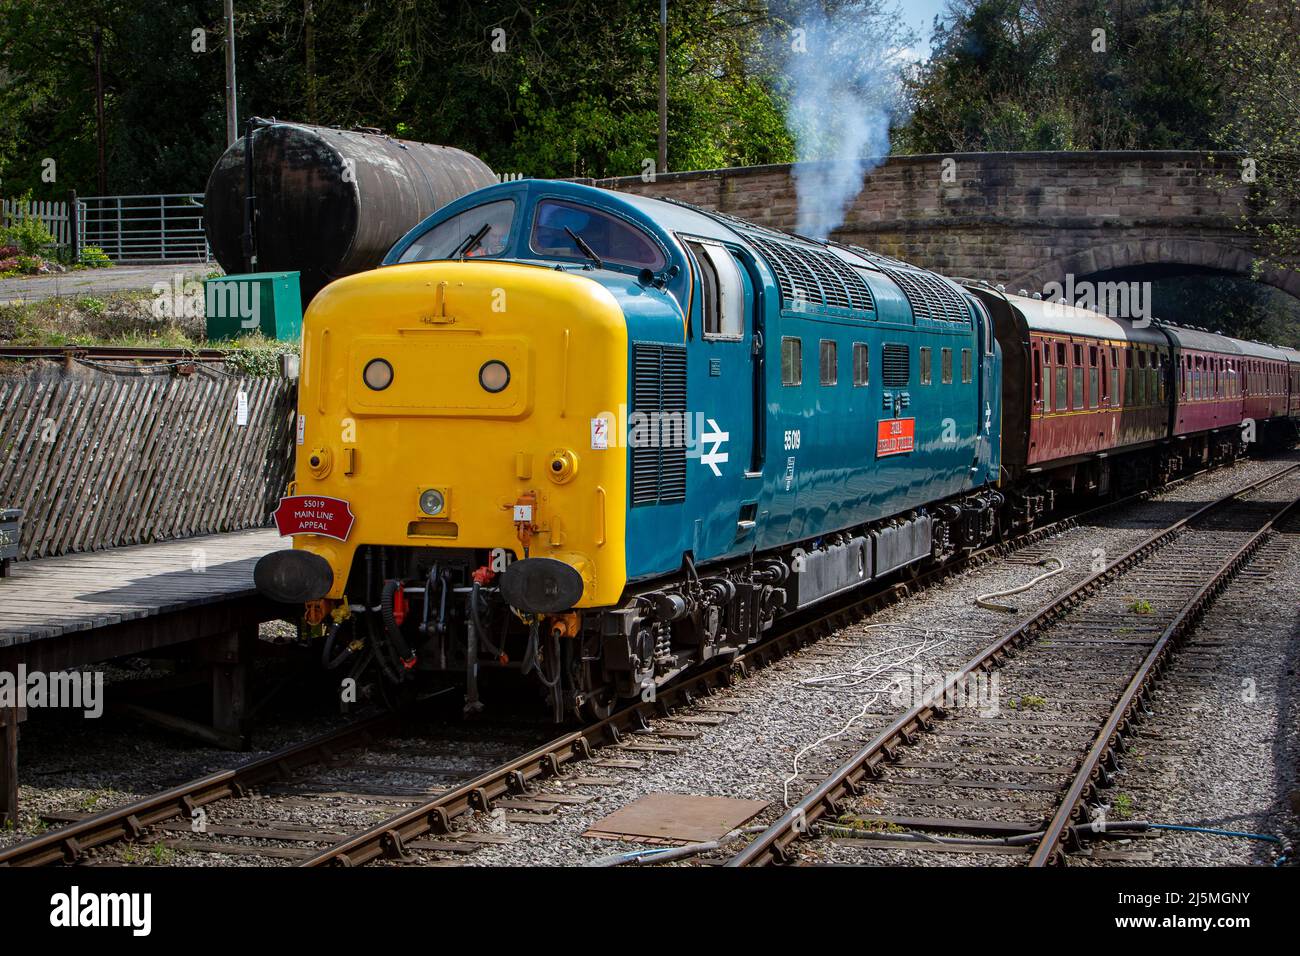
(676, 817)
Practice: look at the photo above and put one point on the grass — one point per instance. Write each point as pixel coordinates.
(1141, 606)
(1123, 807)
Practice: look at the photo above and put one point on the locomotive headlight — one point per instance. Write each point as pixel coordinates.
(494, 376)
(432, 502)
(377, 375)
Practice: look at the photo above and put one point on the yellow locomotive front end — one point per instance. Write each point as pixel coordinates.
(451, 438)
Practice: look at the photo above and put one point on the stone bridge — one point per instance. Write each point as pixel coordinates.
(1020, 219)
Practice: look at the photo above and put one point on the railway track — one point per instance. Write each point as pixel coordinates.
(1021, 781)
(274, 814)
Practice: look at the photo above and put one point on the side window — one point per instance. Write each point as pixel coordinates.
(966, 371)
(791, 361)
(861, 364)
(1038, 375)
(829, 360)
(945, 366)
(925, 365)
(721, 291)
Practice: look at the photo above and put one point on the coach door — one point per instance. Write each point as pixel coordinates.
(728, 411)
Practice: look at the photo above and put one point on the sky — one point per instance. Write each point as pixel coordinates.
(920, 15)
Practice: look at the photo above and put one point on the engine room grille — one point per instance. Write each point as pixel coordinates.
(895, 364)
(659, 447)
(814, 275)
(929, 296)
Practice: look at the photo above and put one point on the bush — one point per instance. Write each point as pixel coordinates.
(30, 265)
(93, 257)
(29, 235)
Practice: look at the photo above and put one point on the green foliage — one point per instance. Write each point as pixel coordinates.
(1028, 74)
(93, 257)
(30, 235)
(256, 356)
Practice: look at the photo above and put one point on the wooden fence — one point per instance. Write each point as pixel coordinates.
(100, 459)
(53, 214)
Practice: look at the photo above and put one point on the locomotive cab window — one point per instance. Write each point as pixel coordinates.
(791, 361)
(722, 296)
(559, 225)
(474, 233)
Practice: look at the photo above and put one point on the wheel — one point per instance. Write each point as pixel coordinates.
(598, 704)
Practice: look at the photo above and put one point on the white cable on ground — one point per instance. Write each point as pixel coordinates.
(860, 673)
(983, 599)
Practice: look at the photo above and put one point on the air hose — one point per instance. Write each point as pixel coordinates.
(392, 630)
(476, 622)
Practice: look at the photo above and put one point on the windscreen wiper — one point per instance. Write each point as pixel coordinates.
(470, 244)
(586, 249)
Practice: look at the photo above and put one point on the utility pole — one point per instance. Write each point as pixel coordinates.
(308, 19)
(99, 110)
(232, 110)
(662, 164)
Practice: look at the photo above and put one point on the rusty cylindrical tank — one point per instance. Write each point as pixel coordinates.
(329, 202)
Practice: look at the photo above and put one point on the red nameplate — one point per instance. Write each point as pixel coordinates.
(313, 514)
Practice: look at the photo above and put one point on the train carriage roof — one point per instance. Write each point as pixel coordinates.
(1201, 341)
(1260, 350)
(1292, 355)
(1058, 318)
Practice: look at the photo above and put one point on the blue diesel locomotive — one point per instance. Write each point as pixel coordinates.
(601, 438)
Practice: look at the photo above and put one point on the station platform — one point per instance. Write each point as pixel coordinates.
(50, 598)
(80, 609)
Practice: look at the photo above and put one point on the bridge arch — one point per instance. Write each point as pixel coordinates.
(1170, 256)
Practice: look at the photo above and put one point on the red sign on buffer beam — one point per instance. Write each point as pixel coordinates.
(313, 514)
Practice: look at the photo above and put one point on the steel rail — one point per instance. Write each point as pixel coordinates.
(774, 844)
(389, 837)
(1110, 739)
(68, 844)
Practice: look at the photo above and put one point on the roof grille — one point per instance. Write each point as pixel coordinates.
(659, 392)
(929, 296)
(811, 274)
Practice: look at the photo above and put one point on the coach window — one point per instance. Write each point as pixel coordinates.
(1093, 385)
(1160, 377)
(829, 356)
(945, 366)
(1076, 397)
(861, 364)
(1062, 380)
(925, 365)
(966, 371)
(723, 297)
(791, 361)
(1038, 376)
